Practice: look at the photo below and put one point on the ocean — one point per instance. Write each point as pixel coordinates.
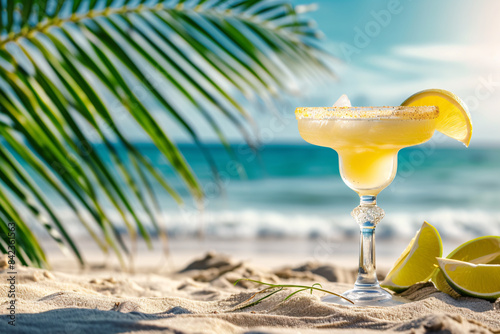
(295, 191)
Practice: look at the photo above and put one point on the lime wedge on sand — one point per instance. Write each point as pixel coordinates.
(454, 118)
(475, 280)
(483, 250)
(417, 262)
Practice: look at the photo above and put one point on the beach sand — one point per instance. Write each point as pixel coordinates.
(200, 298)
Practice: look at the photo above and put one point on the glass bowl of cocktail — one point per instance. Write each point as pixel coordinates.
(367, 140)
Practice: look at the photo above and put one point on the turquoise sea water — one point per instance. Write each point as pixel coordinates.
(295, 191)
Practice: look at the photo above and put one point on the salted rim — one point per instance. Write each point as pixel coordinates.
(397, 112)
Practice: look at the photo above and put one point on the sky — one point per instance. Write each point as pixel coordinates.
(392, 49)
(385, 51)
(388, 50)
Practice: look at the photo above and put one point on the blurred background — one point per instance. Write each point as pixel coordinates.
(287, 197)
(386, 51)
(292, 191)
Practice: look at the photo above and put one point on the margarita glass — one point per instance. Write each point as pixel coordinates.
(367, 140)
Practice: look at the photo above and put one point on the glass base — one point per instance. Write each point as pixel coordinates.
(366, 296)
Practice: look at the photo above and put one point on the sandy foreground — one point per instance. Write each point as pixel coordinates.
(200, 298)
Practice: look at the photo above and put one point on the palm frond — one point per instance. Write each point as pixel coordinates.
(71, 70)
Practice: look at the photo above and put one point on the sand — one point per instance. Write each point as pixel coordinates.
(200, 298)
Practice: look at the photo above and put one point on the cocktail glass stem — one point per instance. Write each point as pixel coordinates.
(367, 288)
(367, 215)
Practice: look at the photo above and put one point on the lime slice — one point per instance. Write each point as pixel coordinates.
(418, 260)
(483, 250)
(475, 280)
(454, 118)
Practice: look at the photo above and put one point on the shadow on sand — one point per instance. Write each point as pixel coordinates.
(81, 320)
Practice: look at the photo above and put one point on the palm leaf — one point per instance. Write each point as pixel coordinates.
(66, 67)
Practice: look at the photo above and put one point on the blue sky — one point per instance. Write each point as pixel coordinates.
(453, 45)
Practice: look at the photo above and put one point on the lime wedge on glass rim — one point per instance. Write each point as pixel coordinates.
(483, 250)
(417, 262)
(454, 117)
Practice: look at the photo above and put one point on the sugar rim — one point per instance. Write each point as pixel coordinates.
(396, 112)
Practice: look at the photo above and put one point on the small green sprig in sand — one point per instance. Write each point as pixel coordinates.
(275, 288)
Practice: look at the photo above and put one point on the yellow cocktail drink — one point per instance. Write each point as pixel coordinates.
(367, 140)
